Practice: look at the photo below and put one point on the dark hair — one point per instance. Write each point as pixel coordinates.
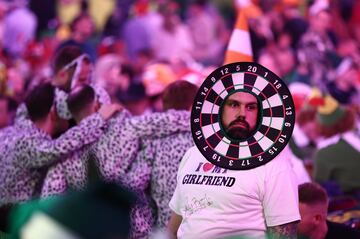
(128, 70)
(346, 123)
(312, 193)
(79, 98)
(179, 95)
(39, 101)
(64, 56)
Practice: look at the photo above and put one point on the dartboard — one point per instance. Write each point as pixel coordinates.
(273, 106)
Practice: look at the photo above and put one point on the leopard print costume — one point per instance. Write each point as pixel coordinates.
(32, 149)
(115, 154)
(155, 170)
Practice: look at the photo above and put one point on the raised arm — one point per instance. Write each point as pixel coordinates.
(158, 124)
(42, 152)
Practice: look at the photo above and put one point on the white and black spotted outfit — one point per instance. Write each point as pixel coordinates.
(32, 149)
(115, 152)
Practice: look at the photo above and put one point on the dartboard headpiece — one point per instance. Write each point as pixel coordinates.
(238, 140)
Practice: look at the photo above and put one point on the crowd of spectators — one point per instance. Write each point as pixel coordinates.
(136, 50)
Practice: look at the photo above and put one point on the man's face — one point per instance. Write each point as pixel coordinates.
(85, 72)
(240, 115)
(321, 22)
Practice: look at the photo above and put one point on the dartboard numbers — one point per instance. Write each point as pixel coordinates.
(275, 121)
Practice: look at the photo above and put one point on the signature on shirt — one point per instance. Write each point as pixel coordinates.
(195, 205)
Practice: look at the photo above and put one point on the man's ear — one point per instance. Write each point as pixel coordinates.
(319, 218)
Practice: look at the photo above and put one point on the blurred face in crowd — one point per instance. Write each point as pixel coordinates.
(286, 61)
(310, 129)
(321, 22)
(313, 221)
(84, 28)
(347, 79)
(170, 17)
(85, 71)
(16, 81)
(72, 74)
(267, 60)
(115, 80)
(240, 115)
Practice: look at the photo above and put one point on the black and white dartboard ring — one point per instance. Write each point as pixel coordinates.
(275, 124)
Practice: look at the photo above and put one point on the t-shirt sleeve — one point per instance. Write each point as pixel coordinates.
(280, 199)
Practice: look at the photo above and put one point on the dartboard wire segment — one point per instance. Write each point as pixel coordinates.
(251, 141)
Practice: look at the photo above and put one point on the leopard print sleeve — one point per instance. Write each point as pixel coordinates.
(42, 152)
(159, 124)
(76, 168)
(116, 148)
(139, 174)
(55, 182)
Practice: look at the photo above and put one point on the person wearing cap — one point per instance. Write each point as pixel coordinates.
(338, 154)
(303, 139)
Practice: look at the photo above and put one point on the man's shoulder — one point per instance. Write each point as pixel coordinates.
(192, 154)
(333, 150)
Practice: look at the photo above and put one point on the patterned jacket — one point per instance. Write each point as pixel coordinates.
(27, 150)
(155, 170)
(116, 155)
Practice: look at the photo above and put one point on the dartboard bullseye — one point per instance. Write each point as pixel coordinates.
(243, 116)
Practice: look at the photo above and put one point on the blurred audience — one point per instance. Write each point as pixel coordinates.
(146, 47)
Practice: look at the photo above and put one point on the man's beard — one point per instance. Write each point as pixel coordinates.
(237, 131)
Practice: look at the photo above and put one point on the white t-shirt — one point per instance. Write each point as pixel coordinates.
(215, 202)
